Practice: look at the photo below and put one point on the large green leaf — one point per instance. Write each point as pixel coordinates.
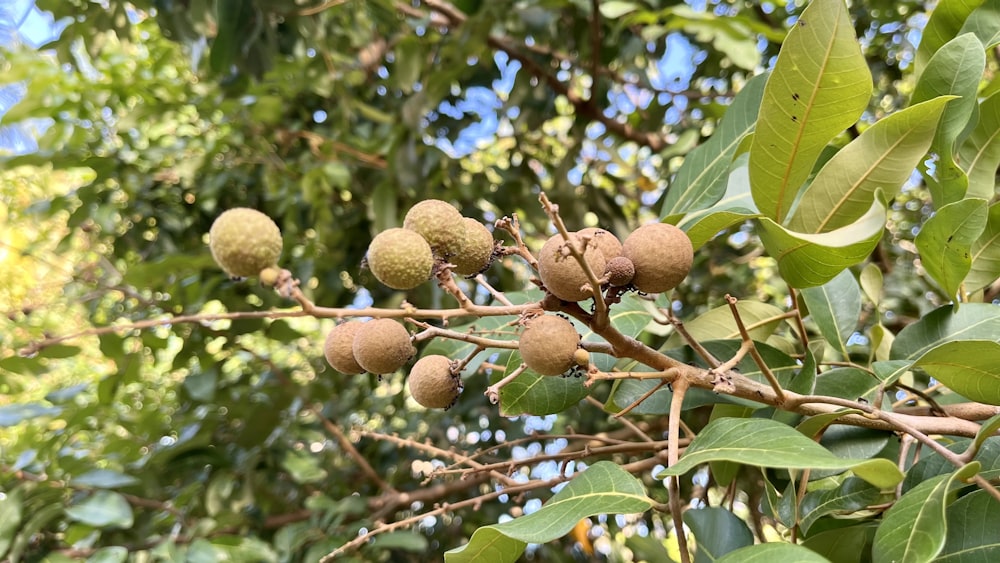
(972, 321)
(820, 85)
(913, 530)
(973, 530)
(945, 23)
(980, 153)
(702, 178)
(603, 488)
(717, 531)
(945, 242)
(807, 260)
(985, 253)
(760, 320)
(767, 443)
(844, 545)
(735, 207)
(932, 463)
(884, 156)
(11, 511)
(771, 552)
(835, 307)
(850, 496)
(971, 368)
(103, 509)
(984, 22)
(955, 69)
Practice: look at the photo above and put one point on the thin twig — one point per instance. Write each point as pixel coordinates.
(778, 391)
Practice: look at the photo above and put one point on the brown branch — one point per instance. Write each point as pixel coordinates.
(347, 446)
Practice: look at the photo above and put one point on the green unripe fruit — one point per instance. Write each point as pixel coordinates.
(475, 248)
(339, 348)
(662, 255)
(400, 258)
(432, 383)
(438, 222)
(605, 241)
(561, 274)
(548, 345)
(382, 346)
(244, 241)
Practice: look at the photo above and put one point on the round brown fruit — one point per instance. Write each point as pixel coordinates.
(548, 345)
(475, 249)
(606, 241)
(244, 241)
(400, 258)
(339, 348)
(382, 346)
(561, 274)
(619, 271)
(437, 221)
(432, 383)
(662, 255)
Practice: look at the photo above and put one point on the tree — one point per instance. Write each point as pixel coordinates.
(823, 383)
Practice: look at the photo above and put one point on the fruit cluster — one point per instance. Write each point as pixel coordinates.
(403, 258)
(653, 259)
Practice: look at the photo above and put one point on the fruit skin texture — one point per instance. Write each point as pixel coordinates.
(244, 241)
(432, 384)
(438, 222)
(662, 255)
(382, 346)
(400, 258)
(548, 345)
(619, 271)
(561, 274)
(339, 348)
(606, 241)
(474, 250)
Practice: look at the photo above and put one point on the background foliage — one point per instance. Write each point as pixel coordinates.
(141, 121)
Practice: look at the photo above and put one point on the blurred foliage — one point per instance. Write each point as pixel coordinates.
(208, 440)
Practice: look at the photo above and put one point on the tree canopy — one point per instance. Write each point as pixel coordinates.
(822, 385)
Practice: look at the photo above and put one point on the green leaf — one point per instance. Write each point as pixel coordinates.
(403, 540)
(719, 324)
(11, 512)
(984, 22)
(616, 8)
(303, 467)
(234, 18)
(771, 552)
(103, 509)
(883, 156)
(533, 393)
(820, 85)
(767, 443)
(973, 524)
(104, 479)
(844, 545)
(945, 23)
(835, 307)
(933, 464)
(603, 488)
(735, 207)
(871, 283)
(980, 153)
(807, 260)
(972, 321)
(945, 242)
(971, 368)
(914, 528)
(986, 431)
(717, 531)
(955, 69)
(112, 554)
(985, 254)
(850, 496)
(702, 179)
